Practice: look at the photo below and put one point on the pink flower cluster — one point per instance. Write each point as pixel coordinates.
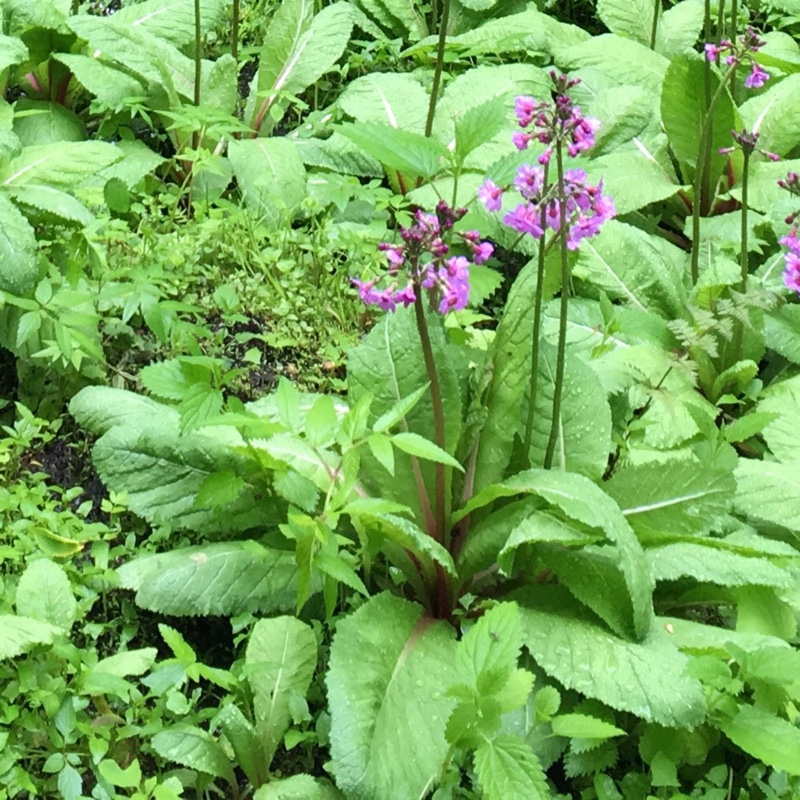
(748, 43)
(554, 121)
(586, 207)
(423, 262)
(791, 274)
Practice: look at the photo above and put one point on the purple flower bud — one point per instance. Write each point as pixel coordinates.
(712, 51)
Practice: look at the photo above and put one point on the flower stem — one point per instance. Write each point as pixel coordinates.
(705, 153)
(701, 171)
(744, 261)
(654, 28)
(197, 67)
(438, 67)
(235, 33)
(440, 484)
(537, 326)
(561, 350)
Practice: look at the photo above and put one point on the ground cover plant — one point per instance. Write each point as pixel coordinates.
(399, 400)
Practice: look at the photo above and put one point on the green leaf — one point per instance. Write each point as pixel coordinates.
(194, 748)
(686, 559)
(408, 535)
(70, 783)
(270, 174)
(338, 154)
(100, 408)
(64, 165)
(683, 109)
(491, 647)
(219, 489)
(128, 662)
(582, 500)
(394, 415)
(769, 491)
(390, 668)
(298, 787)
(12, 51)
(510, 360)
(621, 61)
(624, 111)
(776, 111)
(223, 579)
(280, 661)
(416, 445)
(760, 610)
(407, 152)
(634, 179)
(632, 19)
(766, 737)
(127, 778)
(299, 48)
(162, 472)
(583, 726)
(583, 438)
(172, 20)
(646, 678)
(479, 124)
(676, 497)
(507, 769)
(18, 265)
(389, 365)
(247, 747)
(634, 266)
(44, 593)
(19, 634)
(783, 402)
(110, 86)
(52, 202)
(397, 100)
(679, 28)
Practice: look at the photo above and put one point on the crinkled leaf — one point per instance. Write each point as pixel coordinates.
(390, 669)
(19, 634)
(194, 748)
(18, 265)
(507, 769)
(646, 678)
(397, 100)
(769, 491)
(44, 593)
(223, 579)
(767, 737)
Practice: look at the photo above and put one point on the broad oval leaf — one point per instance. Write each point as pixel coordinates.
(44, 593)
(390, 670)
(646, 678)
(18, 265)
(19, 634)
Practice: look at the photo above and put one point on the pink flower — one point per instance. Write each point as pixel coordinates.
(482, 252)
(521, 140)
(525, 108)
(757, 77)
(712, 51)
(490, 195)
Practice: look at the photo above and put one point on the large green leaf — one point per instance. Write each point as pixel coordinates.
(510, 360)
(389, 365)
(711, 565)
(172, 20)
(581, 500)
(621, 61)
(100, 408)
(679, 28)
(280, 661)
(683, 110)
(394, 99)
(583, 428)
(633, 178)
(12, 51)
(18, 265)
(769, 738)
(631, 265)
(270, 174)
(18, 634)
(507, 769)
(769, 491)
(624, 112)
(299, 48)
(109, 85)
(44, 593)
(783, 401)
(645, 678)
(338, 154)
(390, 669)
(42, 122)
(672, 498)
(632, 19)
(217, 579)
(776, 111)
(62, 166)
